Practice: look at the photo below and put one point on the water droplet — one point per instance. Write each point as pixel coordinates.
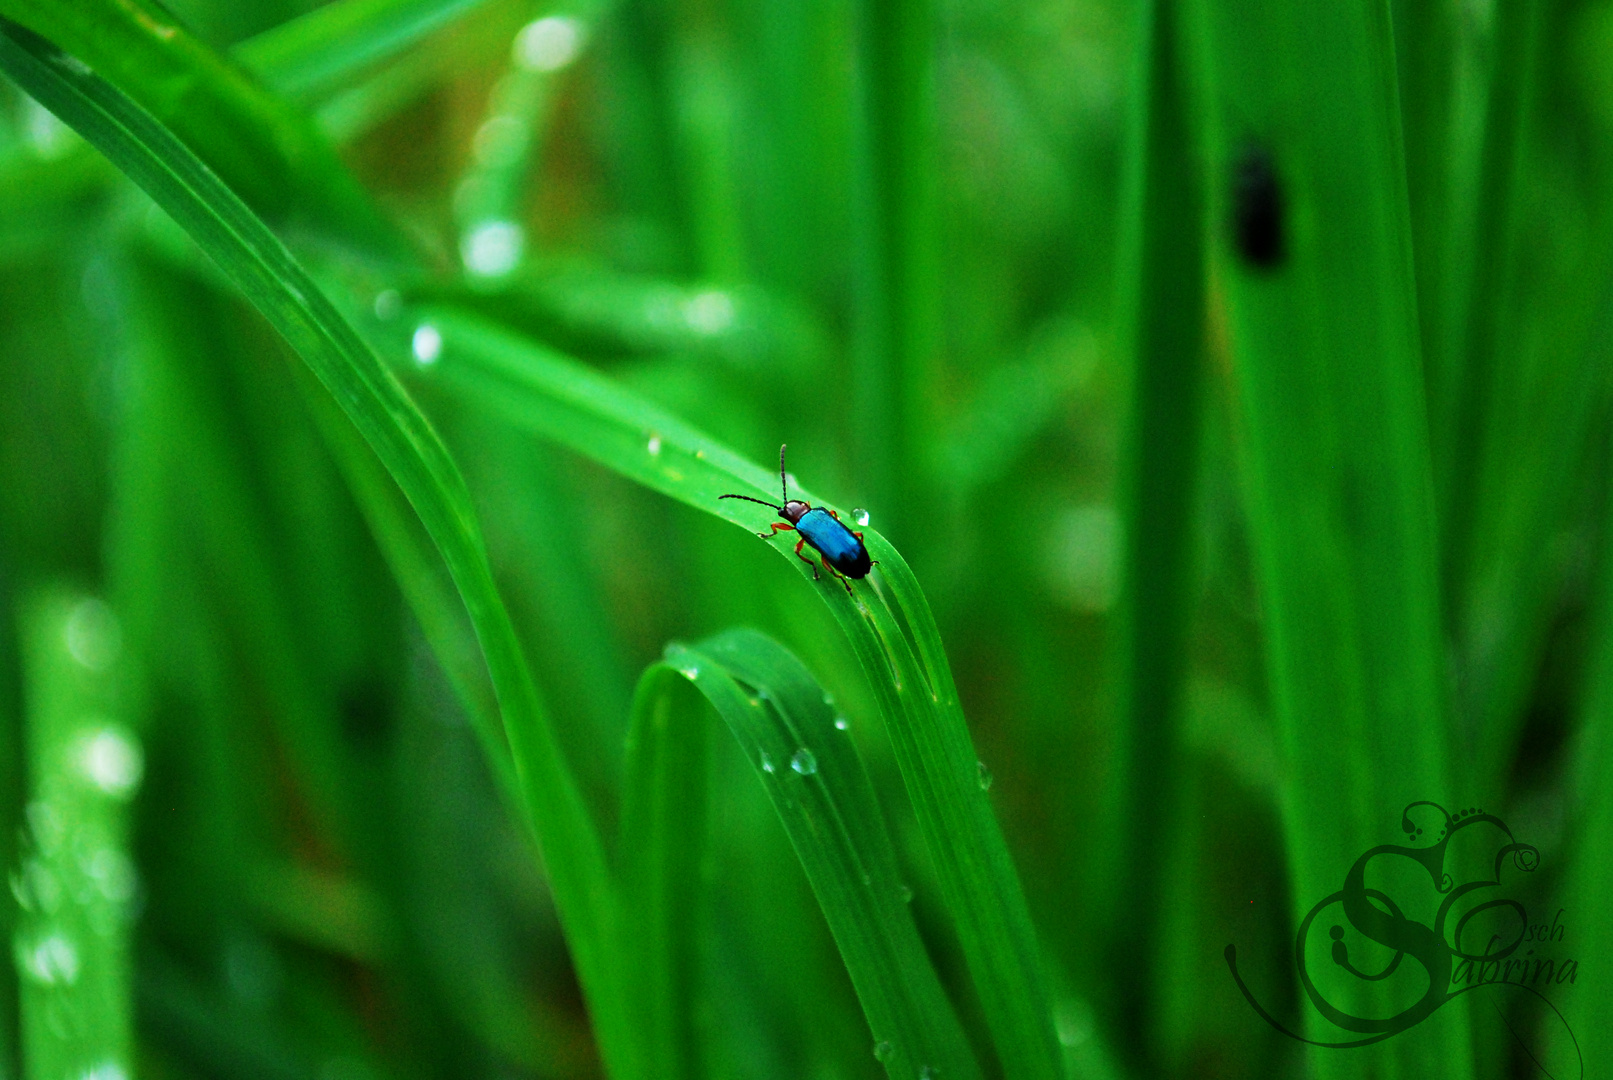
(42, 886)
(107, 1070)
(548, 44)
(500, 141)
(492, 249)
(841, 723)
(804, 762)
(388, 302)
(426, 344)
(112, 873)
(883, 1050)
(710, 312)
(860, 516)
(654, 445)
(46, 825)
(907, 894)
(767, 762)
(53, 961)
(690, 672)
(112, 761)
(700, 455)
(92, 635)
(828, 698)
(985, 776)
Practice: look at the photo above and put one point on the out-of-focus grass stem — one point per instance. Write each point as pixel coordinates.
(896, 276)
(1162, 308)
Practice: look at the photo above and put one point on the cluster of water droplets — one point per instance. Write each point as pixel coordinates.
(75, 886)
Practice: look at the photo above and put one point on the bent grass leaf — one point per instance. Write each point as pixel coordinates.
(258, 264)
(885, 618)
(811, 772)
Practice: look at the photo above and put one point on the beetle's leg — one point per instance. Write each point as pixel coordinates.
(843, 579)
(806, 560)
(777, 527)
(858, 535)
(833, 513)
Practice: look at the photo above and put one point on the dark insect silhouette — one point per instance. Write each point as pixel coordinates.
(1257, 209)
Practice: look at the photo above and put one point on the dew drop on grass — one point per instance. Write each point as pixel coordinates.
(549, 44)
(54, 961)
(426, 344)
(92, 635)
(654, 445)
(841, 723)
(804, 762)
(860, 516)
(767, 762)
(112, 761)
(690, 672)
(985, 776)
(883, 1050)
(388, 302)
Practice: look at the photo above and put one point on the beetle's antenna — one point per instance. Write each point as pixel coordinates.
(747, 498)
(783, 485)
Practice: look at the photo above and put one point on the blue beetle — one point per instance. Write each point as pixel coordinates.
(843, 552)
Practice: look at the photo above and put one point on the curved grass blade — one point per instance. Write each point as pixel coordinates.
(315, 52)
(264, 149)
(413, 453)
(812, 774)
(596, 417)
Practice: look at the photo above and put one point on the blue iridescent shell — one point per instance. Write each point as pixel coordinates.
(840, 548)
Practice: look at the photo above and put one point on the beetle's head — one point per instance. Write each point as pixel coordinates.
(794, 510)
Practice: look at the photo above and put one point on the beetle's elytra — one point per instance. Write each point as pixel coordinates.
(842, 551)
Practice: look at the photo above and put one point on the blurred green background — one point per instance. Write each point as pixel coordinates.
(1234, 555)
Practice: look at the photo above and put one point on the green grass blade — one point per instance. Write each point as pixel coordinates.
(265, 150)
(400, 436)
(596, 417)
(76, 880)
(1324, 346)
(898, 245)
(1163, 305)
(810, 768)
(660, 858)
(316, 52)
(1590, 889)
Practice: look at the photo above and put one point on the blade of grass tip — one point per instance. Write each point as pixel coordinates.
(1162, 305)
(403, 440)
(76, 881)
(315, 52)
(811, 771)
(1312, 262)
(597, 418)
(660, 855)
(265, 149)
